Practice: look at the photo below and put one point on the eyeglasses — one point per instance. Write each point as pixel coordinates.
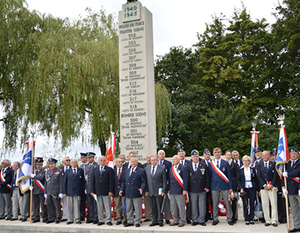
(68, 160)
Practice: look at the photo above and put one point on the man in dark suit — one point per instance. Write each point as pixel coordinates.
(102, 185)
(83, 194)
(119, 172)
(267, 177)
(72, 188)
(64, 167)
(185, 162)
(167, 165)
(208, 216)
(198, 187)
(156, 189)
(179, 181)
(91, 202)
(53, 191)
(146, 199)
(6, 177)
(236, 158)
(38, 191)
(292, 174)
(134, 186)
(221, 182)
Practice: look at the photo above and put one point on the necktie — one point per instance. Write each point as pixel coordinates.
(119, 173)
(266, 168)
(101, 170)
(293, 162)
(160, 163)
(130, 171)
(152, 173)
(74, 170)
(195, 167)
(218, 164)
(181, 162)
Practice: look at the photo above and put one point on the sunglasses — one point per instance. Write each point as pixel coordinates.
(68, 160)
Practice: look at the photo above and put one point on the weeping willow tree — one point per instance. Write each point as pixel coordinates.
(65, 78)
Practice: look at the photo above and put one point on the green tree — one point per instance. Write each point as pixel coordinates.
(69, 81)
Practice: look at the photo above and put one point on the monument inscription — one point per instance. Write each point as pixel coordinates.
(137, 93)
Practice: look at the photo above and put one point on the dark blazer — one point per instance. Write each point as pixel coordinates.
(216, 181)
(175, 187)
(167, 165)
(186, 162)
(158, 181)
(74, 183)
(8, 176)
(241, 178)
(200, 179)
(239, 162)
(292, 185)
(40, 176)
(118, 183)
(133, 183)
(102, 184)
(264, 178)
(234, 170)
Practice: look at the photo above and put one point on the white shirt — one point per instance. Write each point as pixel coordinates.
(247, 173)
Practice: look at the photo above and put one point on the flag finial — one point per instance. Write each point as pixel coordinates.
(281, 120)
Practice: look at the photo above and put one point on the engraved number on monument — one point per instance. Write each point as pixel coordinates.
(131, 11)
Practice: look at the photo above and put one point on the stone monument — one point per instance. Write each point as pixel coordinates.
(137, 88)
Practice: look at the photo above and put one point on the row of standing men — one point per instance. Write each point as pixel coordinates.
(166, 186)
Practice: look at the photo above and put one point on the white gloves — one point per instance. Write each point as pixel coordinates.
(85, 191)
(285, 174)
(45, 196)
(298, 192)
(60, 196)
(32, 175)
(30, 188)
(284, 192)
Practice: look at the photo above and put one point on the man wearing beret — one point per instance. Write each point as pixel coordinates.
(38, 191)
(53, 191)
(258, 156)
(293, 176)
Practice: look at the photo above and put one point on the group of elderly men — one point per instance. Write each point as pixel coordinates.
(183, 188)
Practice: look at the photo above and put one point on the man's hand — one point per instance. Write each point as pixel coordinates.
(242, 190)
(65, 195)
(206, 190)
(230, 190)
(284, 192)
(120, 193)
(184, 193)
(92, 194)
(141, 191)
(285, 174)
(163, 194)
(60, 196)
(147, 194)
(270, 186)
(110, 194)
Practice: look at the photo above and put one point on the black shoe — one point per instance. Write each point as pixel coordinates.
(137, 225)
(215, 222)
(295, 230)
(57, 221)
(153, 224)
(82, 218)
(68, 223)
(45, 220)
(161, 224)
(274, 224)
(230, 223)
(128, 225)
(119, 222)
(167, 221)
(247, 223)
(100, 223)
(63, 220)
(147, 220)
(89, 221)
(49, 221)
(2, 218)
(95, 222)
(188, 221)
(125, 222)
(195, 223)
(8, 219)
(202, 224)
(14, 219)
(78, 222)
(23, 219)
(267, 224)
(36, 220)
(252, 222)
(109, 223)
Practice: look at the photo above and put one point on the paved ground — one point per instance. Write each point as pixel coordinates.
(17, 226)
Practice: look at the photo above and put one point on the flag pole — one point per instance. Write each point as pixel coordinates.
(31, 183)
(281, 118)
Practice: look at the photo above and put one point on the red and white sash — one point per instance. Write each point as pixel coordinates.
(296, 179)
(39, 183)
(3, 180)
(219, 172)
